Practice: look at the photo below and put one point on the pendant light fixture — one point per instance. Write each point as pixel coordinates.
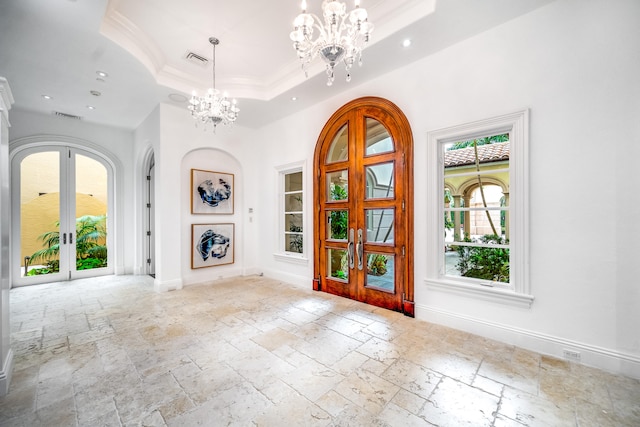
(342, 36)
(213, 107)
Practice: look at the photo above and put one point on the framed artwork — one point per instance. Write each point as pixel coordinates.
(212, 245)
(211, 192)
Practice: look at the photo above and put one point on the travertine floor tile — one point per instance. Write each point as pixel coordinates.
(109, 351)
(367, 390)
(535, 411)
(454, 404)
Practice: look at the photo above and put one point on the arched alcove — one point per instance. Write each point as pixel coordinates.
(211, 163)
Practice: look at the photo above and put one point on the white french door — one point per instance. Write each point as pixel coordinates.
(61, 215)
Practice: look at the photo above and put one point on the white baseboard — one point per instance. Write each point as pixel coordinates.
(252, 271)
(597, 357)
(6, 373)
(166, 286)
(294, 279)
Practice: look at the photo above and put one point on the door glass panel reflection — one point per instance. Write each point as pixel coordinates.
(378, 139)
(380, 225)
(380, 271)
(339, 146)
(379, 181)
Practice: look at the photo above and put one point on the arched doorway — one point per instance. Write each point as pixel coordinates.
(364, 199)
(62, 210)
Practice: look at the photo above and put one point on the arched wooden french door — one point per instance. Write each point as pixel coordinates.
(364, 198)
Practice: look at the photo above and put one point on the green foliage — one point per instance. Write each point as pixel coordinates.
(295, 244)
(90, 230)
(339, 274)
(51, 246)
(484, 263)
(37, 271)
(480, 141)
(339, 219)
(377, 264)
(89, 263)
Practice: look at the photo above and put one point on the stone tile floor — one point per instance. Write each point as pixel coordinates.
(253, 351)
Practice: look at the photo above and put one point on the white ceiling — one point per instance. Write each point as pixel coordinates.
(55, 47)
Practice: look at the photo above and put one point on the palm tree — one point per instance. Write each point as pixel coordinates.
(90, 233)
(475, 143)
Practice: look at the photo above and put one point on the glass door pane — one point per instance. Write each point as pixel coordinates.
(380, 271)
(40, 201)
(339, 150)
(91, 207)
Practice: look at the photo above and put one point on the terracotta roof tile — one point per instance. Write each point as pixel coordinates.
(486, 154)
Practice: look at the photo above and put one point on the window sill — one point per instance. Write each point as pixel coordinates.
(486, 293)
(293, 259)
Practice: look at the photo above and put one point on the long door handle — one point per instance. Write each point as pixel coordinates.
(71, 238)
(359, 250)
(350, 249)
(64, 238)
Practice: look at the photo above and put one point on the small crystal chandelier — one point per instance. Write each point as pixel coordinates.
(342, 37)
(213, 108)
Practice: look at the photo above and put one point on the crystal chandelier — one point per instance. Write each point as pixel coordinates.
(213, 108)
(342, 37)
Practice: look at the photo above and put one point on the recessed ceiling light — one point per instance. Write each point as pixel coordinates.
(91, 107)
(47, 97)
(177, 97)
(102, 74)
(100, 79)
(293, 98)
(406, 42)
(95, 93)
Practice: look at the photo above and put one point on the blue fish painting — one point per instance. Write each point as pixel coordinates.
(212, 194)
(213, 244)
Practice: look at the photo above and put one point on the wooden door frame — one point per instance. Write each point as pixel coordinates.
(405, 143)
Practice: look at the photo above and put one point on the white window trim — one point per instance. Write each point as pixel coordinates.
(280, 253)
(517, 125)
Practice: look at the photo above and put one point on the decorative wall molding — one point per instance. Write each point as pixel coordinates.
(6, 99)
(481, 292)
(166, 286)
(598, 357)
(6, 373)
(293, 259)
(214, 276)
(294, 279)
(6, 353)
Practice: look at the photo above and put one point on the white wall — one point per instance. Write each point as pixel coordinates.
(574, 64)
(146, 143)
(178, 147)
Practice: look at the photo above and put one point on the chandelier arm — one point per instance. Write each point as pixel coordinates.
(342, 26)
(317, 23)
(324, 35)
